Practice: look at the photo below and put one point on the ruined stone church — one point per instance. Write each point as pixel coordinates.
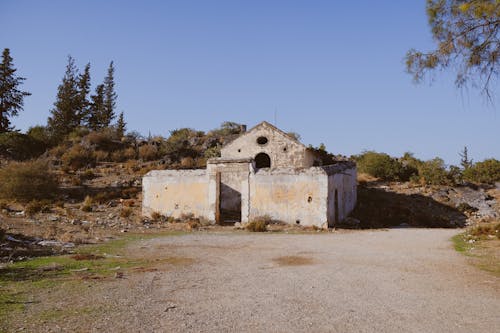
(263, 172)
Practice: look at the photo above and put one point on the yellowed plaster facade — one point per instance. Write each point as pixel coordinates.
(264, 172)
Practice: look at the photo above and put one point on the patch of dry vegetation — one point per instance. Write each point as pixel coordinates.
(27, 181)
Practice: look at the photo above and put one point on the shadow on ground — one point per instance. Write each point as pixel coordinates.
(378, 208)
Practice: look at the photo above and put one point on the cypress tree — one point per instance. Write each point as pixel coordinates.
(109, 97)
(11, 98)
(66, 112)
(97, 109)
(84, 89)
(121, 125)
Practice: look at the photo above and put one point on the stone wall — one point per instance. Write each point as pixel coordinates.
(176, 192)
(284, 151)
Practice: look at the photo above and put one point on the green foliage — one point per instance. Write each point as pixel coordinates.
(11, 97)
(433, 172)
(121, 125)
(41, 134)
(27, 181)
(96, 119)
(109, 96)
(467, 37)
(227, 128)
(487, 171)
(212, 152)
(66, 116)
(465, 162)
(20, 146)
(381, 165)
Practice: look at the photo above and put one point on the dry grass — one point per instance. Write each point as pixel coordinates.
(26, 181)
(485, 230)
(37, 206)
(364, 178)
(256, 226)
(87, 204)
(126, 212)
(293, 261)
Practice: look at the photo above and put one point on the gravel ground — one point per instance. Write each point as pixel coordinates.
(398, 280)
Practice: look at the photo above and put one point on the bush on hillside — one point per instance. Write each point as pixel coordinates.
(487, 172)
(27, 181)
(18, 146)
(148, 152)
(433, 172)
(78, 157)
(380, 165)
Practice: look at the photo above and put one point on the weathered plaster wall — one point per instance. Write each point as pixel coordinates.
(343, 180)
(284, 151)
(290, 195)
(176, 192)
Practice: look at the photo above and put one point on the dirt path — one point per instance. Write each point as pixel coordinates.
(401, 280)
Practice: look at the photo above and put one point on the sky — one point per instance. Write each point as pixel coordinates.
(332, 71)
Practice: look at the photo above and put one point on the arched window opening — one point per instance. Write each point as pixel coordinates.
(262, 160)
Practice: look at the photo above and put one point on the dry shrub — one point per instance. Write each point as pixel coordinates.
(156, 216)
(26, 181)
(130, 192)
(129, 203)
(258, 225)
(148, 152)
(118, 156)
(87, 175)
(193, 224)
(485, 230)
(132, 166)
(4, 204)
(101, 155)
(364, 178)
(126, 212)
(129, 153)
(87, 204)
(187, 163)
(58, 151)
(37, 206)
(78, 157)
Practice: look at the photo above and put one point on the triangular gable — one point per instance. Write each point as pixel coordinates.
(274, 128)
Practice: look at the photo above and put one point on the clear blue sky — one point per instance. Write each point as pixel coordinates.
(333, 70)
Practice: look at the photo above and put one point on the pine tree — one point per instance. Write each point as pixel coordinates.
(464, 161)
(97, 109)
(121, 125)
(11, 98)
(65, 114)
(84, 89)
(109, 97)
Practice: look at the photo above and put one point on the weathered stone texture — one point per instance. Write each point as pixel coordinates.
(284, 151)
